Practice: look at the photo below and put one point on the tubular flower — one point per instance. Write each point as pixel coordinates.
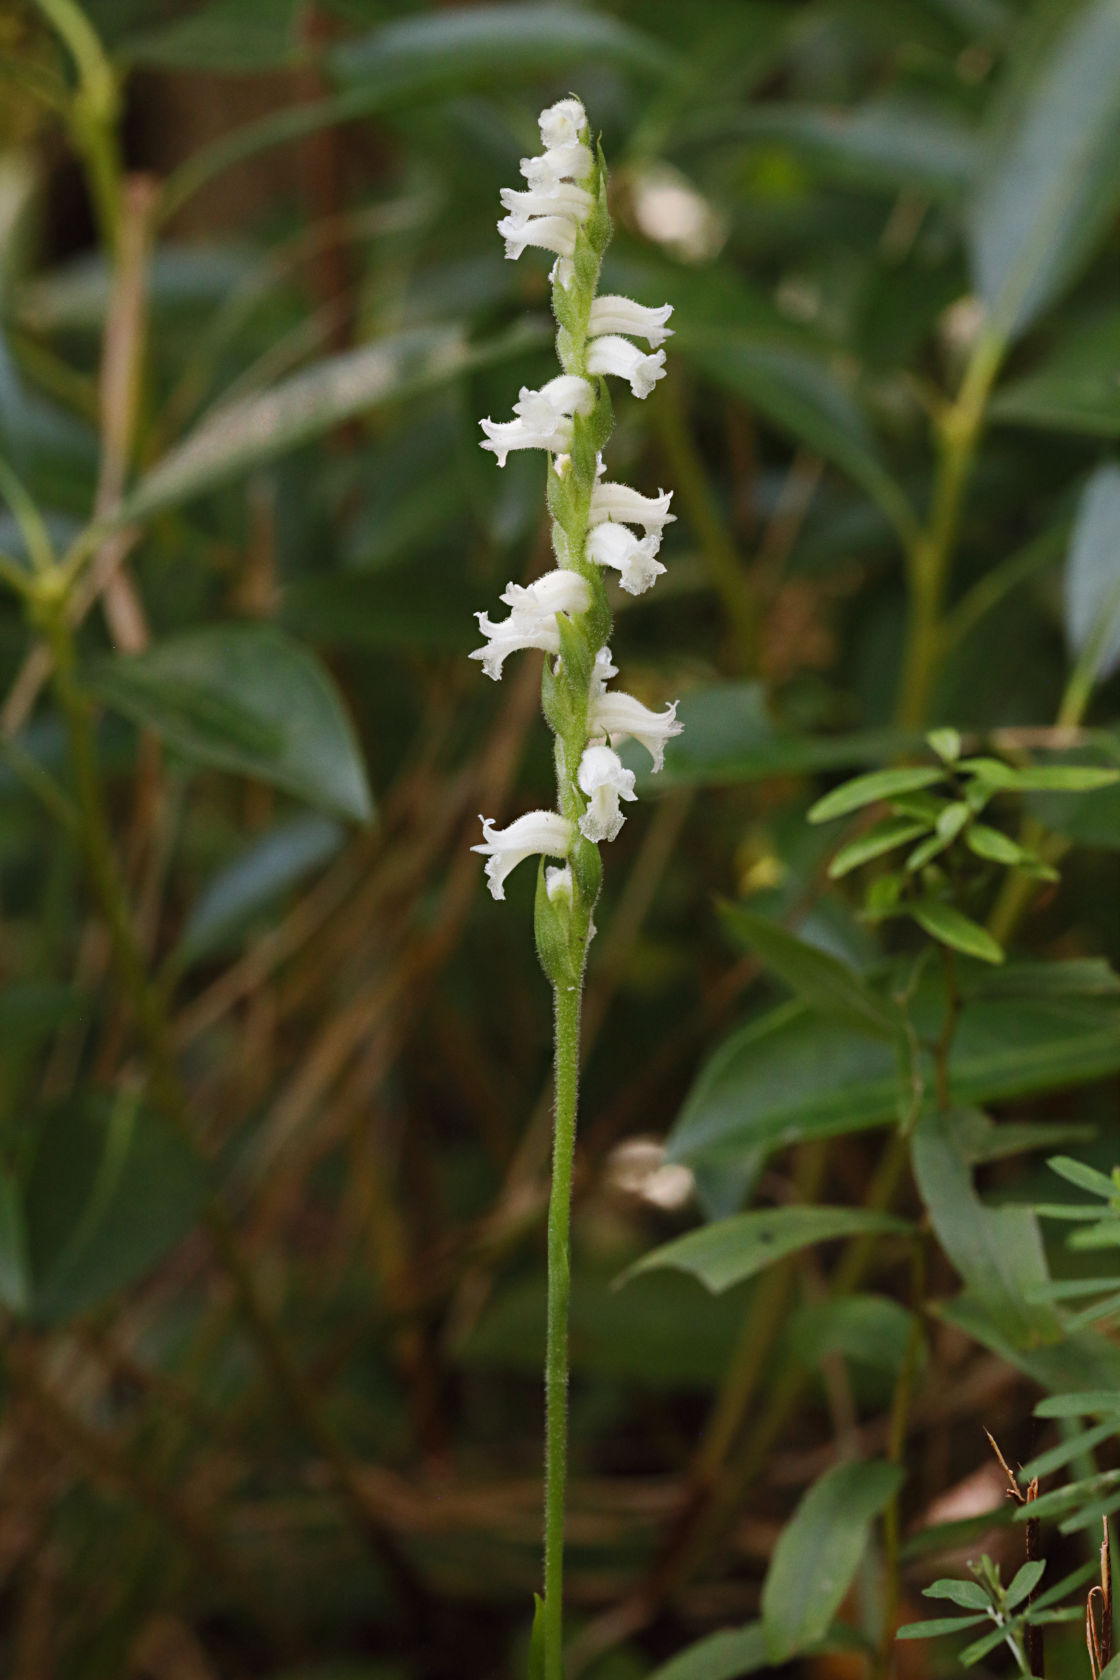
(634, 558)
(613, 354)
(605, 780)
(595, 525)
(537, 832)
(619, 715)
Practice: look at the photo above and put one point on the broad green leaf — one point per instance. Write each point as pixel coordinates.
(869, 790)
(884, 837)
(870, 1329)
(15, 1280)
(820, 979)
(970, 1595)
(790, 1075)
(800, 393)
(112, 1189)
(938, 1625)
(246, 698)
(258, 876)
(1068, 977)
(1074, 388)
(1092, 575)
(1050, 170)
(819, 1551)
(998, 1252)
(952, 927)
(234, 439)
(734, 1249)
(1085, 1177)
(1111, 1671)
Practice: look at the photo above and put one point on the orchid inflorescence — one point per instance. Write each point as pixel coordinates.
(597, 527)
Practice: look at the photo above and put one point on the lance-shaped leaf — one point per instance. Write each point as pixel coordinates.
(1092, 578)
(733, 1249)
(822, 980)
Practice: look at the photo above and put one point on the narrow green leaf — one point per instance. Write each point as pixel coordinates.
(536, 1640)
(733, 1249)
(246, 698)
(15, 1279)
(822, 980)
(819, 1551)
(989, 843)
(1085, 1177)
(884, 837)
(939, 1625)
(1044, 1464)
(952, 927)
(1078, 1405)
(867, 790)
(721, 1656)
(256, 878)
(1050, 170)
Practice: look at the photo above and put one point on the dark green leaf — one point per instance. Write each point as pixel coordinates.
(1050, 170)
(237, 37)
(820, 979)
(952, 927)
(868, 790)
(233, 440)
(870, 1329)
(15, 1281)
(246, 698)
(734, 1249)
(997, 1251)
(819, 1551)
(112, 1189)
(1075, 388)
(272, 865)
(1092, 577)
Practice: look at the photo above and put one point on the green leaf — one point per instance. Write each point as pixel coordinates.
(1040, 778)
(536, 1640)
(790, 1075)
(946, 743)
(998, 1252)
(232, 440)
(231, 37)
(721, 1656)
(884, 837)
(1078, 1405)
(734, 1249)
(938, 1625)
(1092, 576)
(870, 1329)
(246, 698)
(112, 1189)
(1111, 1671)
(15, 1279)
(868, 790)
(1045, 1463)
(1050, 170)
(822, 980)
(952, 927)
(819, 1551)
(989, 843)
(274, 863)
(970, 1595)
(1074, 388)
(1085, 1177)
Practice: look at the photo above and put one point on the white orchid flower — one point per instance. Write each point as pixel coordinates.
(616, 355)
(629, 507)
(605, 780)
(619, 715)
(613, 314)
(634, 558)
(543, 833)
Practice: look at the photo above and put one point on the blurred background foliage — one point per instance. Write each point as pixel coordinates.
(271, 1219)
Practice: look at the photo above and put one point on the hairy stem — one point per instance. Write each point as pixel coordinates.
(556, 1347)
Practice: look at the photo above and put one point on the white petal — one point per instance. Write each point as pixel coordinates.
(513, 635)
(569, 394)
(572, 162)
(558, 882)
(619, 715)
(616, 355)
(547, 233)
(635, 559)
(620, 502)
(602, 671)
(504, 435)
(612, 314)
(563, 198)
(563, 123)
(605, 780)
(543, 832)
(558, 591)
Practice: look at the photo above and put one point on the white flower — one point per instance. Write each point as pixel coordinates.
(612, 314)
(602, 671)
(619, 501)
(544, 417)
(563, 123)
(634, 558)
(604, 779)
(545, 832)
(619, 715)
(558, 883)
(563, 199)
(613, 354)
(547, 233)
(572, 162)
(532, 623)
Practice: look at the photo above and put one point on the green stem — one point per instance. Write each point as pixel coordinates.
(93, 113)
(556, 1347)
(931, 553)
